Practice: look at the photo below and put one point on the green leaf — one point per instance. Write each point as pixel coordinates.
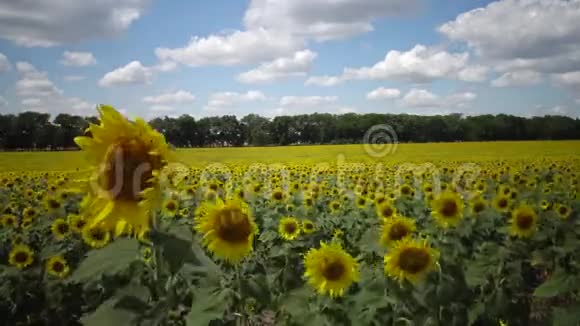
(208, 304)
(175, 248)
(113, 258)
(106, 314)
(474, 312)
(558, 283)
(566, 317)
(477, 272)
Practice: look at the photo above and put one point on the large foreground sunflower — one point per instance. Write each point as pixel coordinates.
(330, 269)
(395, 229)
(447, 209)
(57, 266)
(228, 228)
(410, 260)
(127, 158)
(523, 222)
(21, 256)
(289, 228)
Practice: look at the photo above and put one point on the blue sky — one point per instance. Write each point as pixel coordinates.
(274, 57)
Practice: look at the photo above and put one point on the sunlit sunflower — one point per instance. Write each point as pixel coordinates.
(96, 236)
(127, 158)
(21, 256)
(9, 220)
(361, 202)
(410, 260)
(29, 212)
(523, 222)
(26, 223)
(308, 226)
(502, 203)
(447, 209)
(563, 211)
(395, 229)
(289, 228)
(228, 228)
(334, 206)
(170, 207)
(52, 204)
(60, 229)
(386, 210)
(478, 205)
(330, 270)
(77, 223)
(57, 266)
(278, 196)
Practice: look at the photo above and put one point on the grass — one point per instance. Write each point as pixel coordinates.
(472, 151)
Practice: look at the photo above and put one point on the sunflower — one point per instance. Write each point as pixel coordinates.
(502, 203)
(308, 201)
(21, 256)
(406, 190)
(228, 228)
(410, 260)
(96, 236)
(395, 229)
(29, 212)
(523, 222)
(563, 211)
(278, 196)
(9, 220)
(127, 158)
(52, 204)
(57, 266)
(361, 202)
(478, 205)
(60, 229)
(308, 226)
(330, 269)
(334, 206)
(170, 207)
(386, 210)
(447, 209)
(77, 223)
(289, 228)
(26, 223)
(545, 205)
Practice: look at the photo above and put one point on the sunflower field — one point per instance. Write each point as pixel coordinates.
(140, 238)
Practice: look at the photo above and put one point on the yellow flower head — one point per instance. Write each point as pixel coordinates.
(395, 229)
(410, 260)
(308, 226)
(502, 203)
(563, 211)
(447, 209)
(127, 158)
(77, 223)
(386, 210)
(289, 228)
(57, 266)
(9, 220)
(330, 270)
(228, 229)
(523, 222)
(21, 256)
(29, 213)
(478, 205)
(96, 236)
(60, 229)
(170, 207)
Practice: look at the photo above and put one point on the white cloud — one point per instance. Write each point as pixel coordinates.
(323, 19)
(562, 110)
(4, 63)
(74, 77)
(347, 109)
(221, 100)
(38, 93)
(49, 23)
(383, 93)
(177, 97)
(78, 59)
(518, 78)
(306, 101)
(569, 79)
(133, 73)
(297, 65)
(239, 47)
(419, 65)
(540, 35)
(421, 98)
(161, 108)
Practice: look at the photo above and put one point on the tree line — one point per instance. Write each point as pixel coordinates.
(33, 130)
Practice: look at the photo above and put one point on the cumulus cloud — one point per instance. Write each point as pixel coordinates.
(132, 73)
(78, 59)
(74, 77)
(306, 101)
(294, 66)
(38, 93)
(518, 78)
(419, 65)
(421, 98)
(222, 100)
(569, 80)
(4, 63)
(177, 97)
(540, 35)
(383, 93)
(48, 23)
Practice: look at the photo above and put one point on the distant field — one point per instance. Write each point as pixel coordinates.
(311, 154)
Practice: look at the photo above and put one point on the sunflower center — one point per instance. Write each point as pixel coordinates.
(478, 207)
(233, 226)
(308, 226)
(62, 228)
(502, 203)
(127, 170)
(524, 221)
(563, 210)
(387, 211)
(21, 257)
(98, 234)
(405, 190)
(290, 228)
(171, 206)
(58, 267)
(449, 208)
(278, 195)
(334, 271)
(398, 231)
(80, 224)
(361, 201)
(53, 204)
(414, 260)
